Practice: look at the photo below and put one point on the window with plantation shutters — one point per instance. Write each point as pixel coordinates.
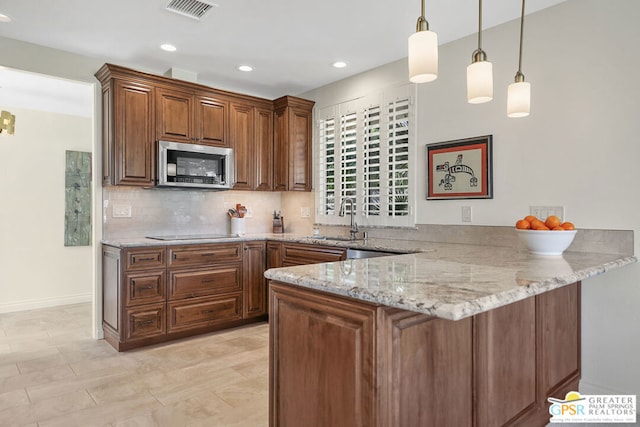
(365, 153)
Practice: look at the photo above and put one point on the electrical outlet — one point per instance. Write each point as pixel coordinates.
(466, 214)
(121, 211)
(305, 212)
(543, 212)
(248, 213)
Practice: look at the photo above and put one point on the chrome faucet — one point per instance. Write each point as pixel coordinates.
(353, 230)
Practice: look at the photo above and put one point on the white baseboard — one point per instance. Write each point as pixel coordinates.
(44, 303)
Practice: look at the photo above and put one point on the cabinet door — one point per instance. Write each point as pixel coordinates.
(144, 288)
(174, 115)
(264, 150)
(203, 255)
(299, 150)
(322, 364)
(203, 312)
(205, 281)
(212, 117)
(134, 151)
(274, 255)
(280, 151)
(255, 284)
(241, 135)
(145, 321)
(301, 254)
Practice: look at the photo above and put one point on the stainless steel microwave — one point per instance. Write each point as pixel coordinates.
(194, 166)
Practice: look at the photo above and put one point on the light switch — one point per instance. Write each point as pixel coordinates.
(466, 214)
(542, 212)
(121, 211)
(305, 212)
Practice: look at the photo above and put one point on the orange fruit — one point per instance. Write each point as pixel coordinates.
(558, 228)
(552, 221)
(567, 226)
(530, 218)
(523, 224)
(536, 224)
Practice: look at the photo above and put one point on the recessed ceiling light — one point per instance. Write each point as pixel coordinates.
(339, 64)
(245, 68)
(4, 18)
(168, 47)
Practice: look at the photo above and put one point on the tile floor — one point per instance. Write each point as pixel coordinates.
(52, 373)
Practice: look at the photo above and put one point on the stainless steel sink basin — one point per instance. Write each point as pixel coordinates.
(336, 239)
(363, 253)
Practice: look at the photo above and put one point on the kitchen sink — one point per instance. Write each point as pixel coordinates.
(364, 253)
(336, 239)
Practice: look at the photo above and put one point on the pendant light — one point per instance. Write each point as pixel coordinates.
(480, 71)
(519, 92)
(423, 52)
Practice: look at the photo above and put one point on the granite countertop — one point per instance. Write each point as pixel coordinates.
(386, 245)
(450, 281)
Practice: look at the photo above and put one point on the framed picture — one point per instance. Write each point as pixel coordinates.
(460, 169)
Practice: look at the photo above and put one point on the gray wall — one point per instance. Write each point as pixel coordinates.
(578, 149)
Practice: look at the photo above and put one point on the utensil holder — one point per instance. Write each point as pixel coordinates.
(238, 226)
(278, 225)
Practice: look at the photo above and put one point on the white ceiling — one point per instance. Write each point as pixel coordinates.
(290, 43)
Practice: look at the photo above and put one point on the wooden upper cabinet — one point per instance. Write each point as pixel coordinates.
(189, 117)
(212, 117)
(241, 133)
(271, 139)
(174, 115)
(128, 133)
(263, 149)
(292, 144)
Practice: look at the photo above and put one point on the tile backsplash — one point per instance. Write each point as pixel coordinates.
(163, 212)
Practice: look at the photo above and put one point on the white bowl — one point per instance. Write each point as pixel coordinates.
(546, 242)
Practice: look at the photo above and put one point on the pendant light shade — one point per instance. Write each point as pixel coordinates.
(519, 92)
(518, 99)
(480, 72)
(480, 82)
(423, 52)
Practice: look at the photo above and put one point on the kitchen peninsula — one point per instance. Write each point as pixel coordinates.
(455, 335)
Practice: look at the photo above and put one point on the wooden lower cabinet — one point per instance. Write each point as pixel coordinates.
(147, 321)
(254, 282)
(302, 254)
(341, 362)
(204, 312)
(153, 294)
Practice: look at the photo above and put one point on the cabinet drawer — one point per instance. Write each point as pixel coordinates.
(204, 312)
(197, 255)
(297, 254)
(205, 281)
(146, 321)
(145, 288)
(144, 258)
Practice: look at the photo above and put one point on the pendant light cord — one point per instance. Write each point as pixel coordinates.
(521, 32)
(480, 26)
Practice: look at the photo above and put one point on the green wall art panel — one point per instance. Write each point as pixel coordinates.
(77, 209)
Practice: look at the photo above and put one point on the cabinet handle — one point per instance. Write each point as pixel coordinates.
(208, 254)
(144, 323)
(147, 287)
(174, 256)
(208, 280)
(147, 259)
(207, 311)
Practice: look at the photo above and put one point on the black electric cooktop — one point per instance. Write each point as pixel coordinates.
(192, 236)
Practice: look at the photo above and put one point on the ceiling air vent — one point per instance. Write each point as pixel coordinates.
(195, 9)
